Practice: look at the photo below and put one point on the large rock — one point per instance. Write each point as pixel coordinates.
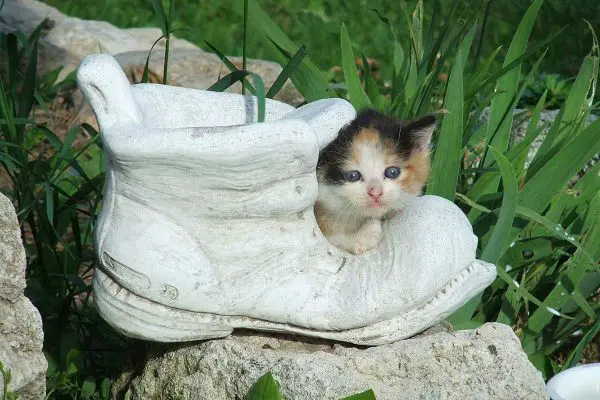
(21, 335)
(67, 40)
(486, 363)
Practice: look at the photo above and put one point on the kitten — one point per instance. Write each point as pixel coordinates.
(374, 168)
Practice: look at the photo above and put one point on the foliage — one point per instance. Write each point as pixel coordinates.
(555, 85)
(57, 189)
(540, 231)
(316, 23)
(267, 388)
(6, 379)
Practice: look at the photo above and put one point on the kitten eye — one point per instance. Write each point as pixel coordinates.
(352, 176)
(392, 172)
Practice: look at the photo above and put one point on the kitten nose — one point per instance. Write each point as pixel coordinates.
(374, 192)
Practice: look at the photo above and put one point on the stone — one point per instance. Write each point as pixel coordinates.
(67, 40)
(21, 335)
(194, 68)
(189, 251)
(12, 253)
(26, 15)
(484, 363)
(146, 37)
(521, 124)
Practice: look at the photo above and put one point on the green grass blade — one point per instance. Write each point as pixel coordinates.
(27, 98)
(575, 355)
(575, 270)
(6, 109)
(555, 229)
(482, 71)
(489, 183)
(64, 154)
(366, 395)
(547, 183)
(446, 162)
(228, 80)
(509, 310)
(260, 96)
(499, 128)
(534, 49)
(574, 110)
(521, 291)
(307, 78)
(229, 64)
(371, 86)
(466, 45)
(501, 234)
(147, 65)
(266, 388)
(462, 318)
(577, 104)
(572, 204)
(411, 34)
(471, 203)
(286, 72)
(12, 58)
(357, 95)
(417, 25)
(161, 16)
(583, 304)
(518, 154)
(244, 41)
(51, 137)
(411, 85)
(49, 204)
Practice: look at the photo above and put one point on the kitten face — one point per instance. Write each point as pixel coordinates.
(376, 165)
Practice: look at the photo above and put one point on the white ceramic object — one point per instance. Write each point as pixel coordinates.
(207, 224)
(577, 383)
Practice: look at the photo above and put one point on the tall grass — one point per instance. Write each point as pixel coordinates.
(316, 23)
(57, 189)
(542, 234)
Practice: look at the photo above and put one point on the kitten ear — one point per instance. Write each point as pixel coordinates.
(420, 131)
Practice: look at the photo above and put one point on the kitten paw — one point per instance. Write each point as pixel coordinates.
(367, 237)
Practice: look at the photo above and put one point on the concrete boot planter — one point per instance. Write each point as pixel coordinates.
(207, 225)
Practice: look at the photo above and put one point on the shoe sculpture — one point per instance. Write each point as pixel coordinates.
(207, 224)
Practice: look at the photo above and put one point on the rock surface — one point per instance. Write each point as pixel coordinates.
(21, 335)
(486, 363)
(521, 124)
(194, 68)
(67, 40)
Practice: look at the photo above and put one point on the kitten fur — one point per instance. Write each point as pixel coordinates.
(350, 207)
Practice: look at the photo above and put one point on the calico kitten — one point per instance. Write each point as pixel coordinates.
(375, 167)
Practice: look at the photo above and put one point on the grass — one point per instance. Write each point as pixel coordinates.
(540, 231)
(316, 23)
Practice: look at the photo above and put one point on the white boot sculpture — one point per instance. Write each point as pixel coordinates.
(207, 224)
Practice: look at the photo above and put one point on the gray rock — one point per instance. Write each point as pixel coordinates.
(12, 253)
(486, 363)
(21, 335)
(66, 40)
(26, 15)
(194, 68)
(147, 36)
